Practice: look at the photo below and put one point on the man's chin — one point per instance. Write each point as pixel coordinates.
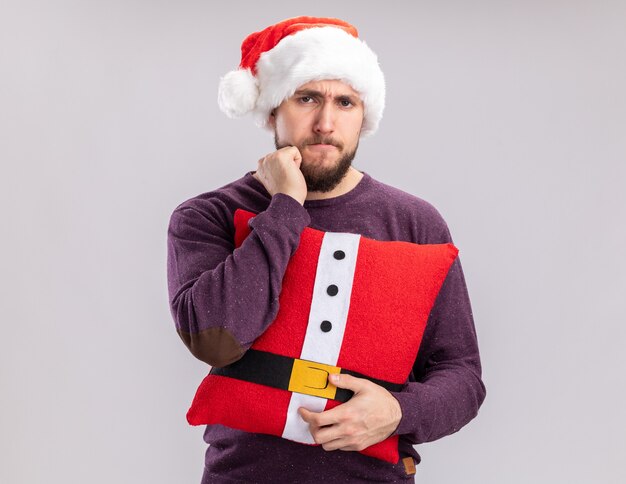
(324, 175)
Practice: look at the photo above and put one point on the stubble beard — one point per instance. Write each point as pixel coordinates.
(318, 178)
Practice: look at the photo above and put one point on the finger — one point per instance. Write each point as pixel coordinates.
(339, 444)
(320, 419)
(350, 382)
(351, 447)
(314, 419)
(324, 435)
(346, 444)
(328, 417)
(292, 152)
(307, 415)
(297, 156)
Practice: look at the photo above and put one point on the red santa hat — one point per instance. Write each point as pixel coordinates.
(282, 57)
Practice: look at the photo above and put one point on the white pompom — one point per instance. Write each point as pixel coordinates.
(238, 93)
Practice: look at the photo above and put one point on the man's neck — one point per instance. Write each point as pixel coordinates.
(351, 180)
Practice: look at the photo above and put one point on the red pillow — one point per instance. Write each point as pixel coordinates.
(348, 304)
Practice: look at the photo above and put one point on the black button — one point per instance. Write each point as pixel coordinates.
(326, 326)
(339, 254)
(332, 290)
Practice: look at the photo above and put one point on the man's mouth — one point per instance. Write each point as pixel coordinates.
(322, 142)
(321, 146)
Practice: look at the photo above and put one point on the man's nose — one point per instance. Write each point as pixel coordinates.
(325, 120)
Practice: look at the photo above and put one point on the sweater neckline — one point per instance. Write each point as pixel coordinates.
(359, 188)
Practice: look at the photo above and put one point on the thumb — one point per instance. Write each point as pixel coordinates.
(350, 382)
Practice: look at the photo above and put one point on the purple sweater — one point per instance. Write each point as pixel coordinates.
(220, 306)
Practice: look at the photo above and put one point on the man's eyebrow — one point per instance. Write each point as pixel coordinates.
(308, 92)
(314, 93)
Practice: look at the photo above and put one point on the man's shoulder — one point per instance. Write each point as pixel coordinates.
(406, 215)
(217, 206)
(213, 196)
(240, 193)
(403, 201)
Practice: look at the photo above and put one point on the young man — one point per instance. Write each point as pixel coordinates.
(319, 88)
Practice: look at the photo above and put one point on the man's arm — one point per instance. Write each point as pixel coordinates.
(222, 298)
(447, 395)
(449, 390)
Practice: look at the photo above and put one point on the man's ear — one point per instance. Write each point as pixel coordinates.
(272, 118)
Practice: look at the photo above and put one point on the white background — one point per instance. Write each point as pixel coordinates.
(508, 116)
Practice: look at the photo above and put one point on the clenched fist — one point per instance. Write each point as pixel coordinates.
(280, 173)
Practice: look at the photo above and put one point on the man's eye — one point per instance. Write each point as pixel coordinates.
(306, 99)
(346, 103)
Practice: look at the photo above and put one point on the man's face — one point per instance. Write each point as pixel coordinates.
(323, 120)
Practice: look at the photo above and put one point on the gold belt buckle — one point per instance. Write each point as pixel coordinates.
(311, 378)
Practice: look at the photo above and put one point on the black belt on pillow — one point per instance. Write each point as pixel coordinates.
(294, 375)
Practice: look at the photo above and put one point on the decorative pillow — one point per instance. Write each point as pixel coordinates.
(348, 304)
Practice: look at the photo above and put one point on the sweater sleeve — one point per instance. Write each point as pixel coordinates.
(446, 389)
(222, 298)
